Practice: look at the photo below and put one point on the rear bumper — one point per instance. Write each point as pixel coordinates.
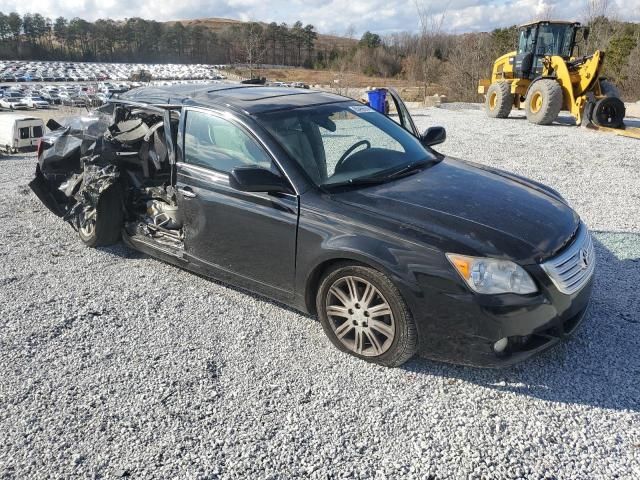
(42, 189)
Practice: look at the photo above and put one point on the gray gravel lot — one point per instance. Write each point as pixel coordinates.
(117, 365)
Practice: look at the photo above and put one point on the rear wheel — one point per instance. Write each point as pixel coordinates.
(101, 226)
(544, 102)
(499, 100)
(363, 314)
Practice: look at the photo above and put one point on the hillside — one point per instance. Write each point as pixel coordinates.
(323, 42)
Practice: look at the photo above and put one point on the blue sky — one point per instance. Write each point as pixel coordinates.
(333, 16)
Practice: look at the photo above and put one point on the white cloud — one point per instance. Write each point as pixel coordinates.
(331, 16)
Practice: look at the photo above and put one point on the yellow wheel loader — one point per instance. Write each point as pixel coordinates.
(544, 76)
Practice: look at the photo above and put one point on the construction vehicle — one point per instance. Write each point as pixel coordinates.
(141, 75)
(545, 75)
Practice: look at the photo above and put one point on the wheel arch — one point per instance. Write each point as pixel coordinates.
(320, 269)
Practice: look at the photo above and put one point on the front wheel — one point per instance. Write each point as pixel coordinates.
(363, 313)
(544, 102)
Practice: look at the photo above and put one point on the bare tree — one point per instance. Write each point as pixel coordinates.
(431, 24)
(350, 32)
(546, 11)
(594, 9)
(253, 44)
(596, 15)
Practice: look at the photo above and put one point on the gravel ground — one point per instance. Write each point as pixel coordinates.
(117, 365)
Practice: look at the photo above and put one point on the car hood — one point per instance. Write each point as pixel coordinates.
(475, 210)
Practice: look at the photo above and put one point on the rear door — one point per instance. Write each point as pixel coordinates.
(251, 236)
(28, 133)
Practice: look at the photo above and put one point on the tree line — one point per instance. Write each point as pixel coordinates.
(455, 63)
(35, 37)
(452, 63)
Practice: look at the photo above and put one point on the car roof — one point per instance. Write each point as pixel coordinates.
(557, 22)
(251, 99)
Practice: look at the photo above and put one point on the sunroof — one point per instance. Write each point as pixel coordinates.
(257, 93)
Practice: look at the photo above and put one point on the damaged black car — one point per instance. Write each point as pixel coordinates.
(324, 204)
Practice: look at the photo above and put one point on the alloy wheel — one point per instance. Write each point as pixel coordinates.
(360, 316)
(88, 223)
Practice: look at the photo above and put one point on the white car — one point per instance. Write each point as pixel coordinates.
(12, 103)
(36, 102)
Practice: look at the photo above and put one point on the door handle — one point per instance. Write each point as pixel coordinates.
(187, 192)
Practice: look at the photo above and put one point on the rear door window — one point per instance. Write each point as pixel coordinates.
(24, 133)
(216, 143)
(37, 131)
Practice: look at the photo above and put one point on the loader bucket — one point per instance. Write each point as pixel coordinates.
(625, 131)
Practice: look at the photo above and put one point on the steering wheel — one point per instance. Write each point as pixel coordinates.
(350, 151)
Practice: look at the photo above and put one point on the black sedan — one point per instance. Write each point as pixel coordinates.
(324, 204)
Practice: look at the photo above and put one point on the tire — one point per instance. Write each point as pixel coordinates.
(609, 112)
(105, 226)
(544, 102)
(393, 339)
(608, 89)
(499, 100)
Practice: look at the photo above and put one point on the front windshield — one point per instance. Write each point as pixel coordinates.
(555, 39)
(551, 39)
(343, 142)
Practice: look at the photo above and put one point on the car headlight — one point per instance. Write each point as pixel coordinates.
(492, 276)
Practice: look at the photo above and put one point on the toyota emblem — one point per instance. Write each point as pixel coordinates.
(584, 258)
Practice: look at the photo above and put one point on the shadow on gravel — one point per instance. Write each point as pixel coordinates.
(18, 158)
(632, 122)
(565, 120)
(599, 366)
(123, 251)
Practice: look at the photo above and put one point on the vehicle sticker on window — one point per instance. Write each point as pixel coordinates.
(361, 109)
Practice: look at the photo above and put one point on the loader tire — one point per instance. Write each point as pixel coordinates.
(544, 102)
(609, 112)
(499, 100)
(608, 89)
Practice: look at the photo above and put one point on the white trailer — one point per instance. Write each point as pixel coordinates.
(19, 132)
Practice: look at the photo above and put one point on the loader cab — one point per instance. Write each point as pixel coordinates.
(540, 39)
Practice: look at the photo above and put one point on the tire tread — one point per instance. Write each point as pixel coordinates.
(109, 219)
(552, 99)
(407, 343)
(504, 100)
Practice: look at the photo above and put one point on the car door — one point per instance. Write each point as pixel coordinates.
(404, 117)
(249, 235)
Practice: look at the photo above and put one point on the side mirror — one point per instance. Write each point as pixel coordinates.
(433, 136)
(257, 179)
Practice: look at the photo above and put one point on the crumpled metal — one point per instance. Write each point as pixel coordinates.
(95, 180)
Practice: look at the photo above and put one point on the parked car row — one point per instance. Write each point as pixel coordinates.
(14, 97)
(288, 84)
(25, 96)
(28, 71)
